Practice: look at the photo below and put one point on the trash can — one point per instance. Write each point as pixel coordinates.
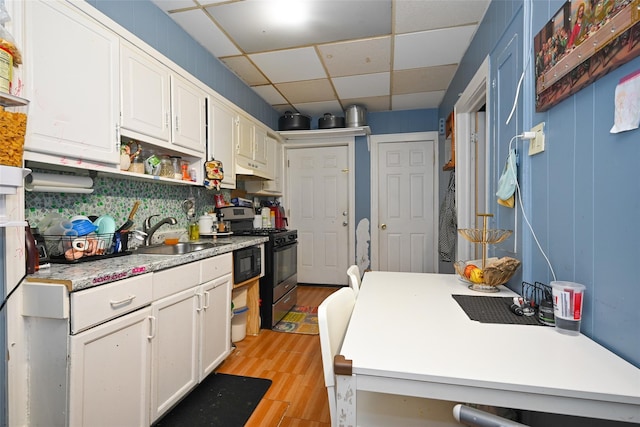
(239, 324)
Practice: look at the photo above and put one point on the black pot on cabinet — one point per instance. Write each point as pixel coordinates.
(329, 121)
(294, 121)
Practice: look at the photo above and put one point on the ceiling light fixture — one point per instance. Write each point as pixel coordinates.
(289, 12)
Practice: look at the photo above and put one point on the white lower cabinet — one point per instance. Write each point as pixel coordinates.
(124, 353)
(108, 373)
(191, 335)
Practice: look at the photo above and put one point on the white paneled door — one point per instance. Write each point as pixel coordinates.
(404, 211)
(317, 182)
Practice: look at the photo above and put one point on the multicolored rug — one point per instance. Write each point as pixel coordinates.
(300, 320)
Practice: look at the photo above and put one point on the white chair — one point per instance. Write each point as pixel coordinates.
(353, 273)
(373, 409)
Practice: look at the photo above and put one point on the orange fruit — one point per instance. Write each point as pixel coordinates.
(468, 269)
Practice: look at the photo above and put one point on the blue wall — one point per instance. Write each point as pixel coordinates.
(582, 194)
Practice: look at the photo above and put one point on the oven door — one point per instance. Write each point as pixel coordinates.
(285, 263)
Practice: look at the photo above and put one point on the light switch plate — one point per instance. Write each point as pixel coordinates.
(536, 145)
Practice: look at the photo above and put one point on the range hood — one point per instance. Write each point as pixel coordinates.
(252, 171)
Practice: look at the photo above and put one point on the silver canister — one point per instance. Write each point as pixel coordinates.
(355, 116)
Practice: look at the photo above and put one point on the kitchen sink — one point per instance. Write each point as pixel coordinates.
(177, 249)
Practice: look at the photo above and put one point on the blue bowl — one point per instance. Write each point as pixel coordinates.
(83, 226)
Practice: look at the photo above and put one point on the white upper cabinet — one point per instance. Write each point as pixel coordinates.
(246, 138)
(145, 100)
(71, 76)
(251, 151)
(271, 187)
(188, 108)
(160, 106)
(223, 139)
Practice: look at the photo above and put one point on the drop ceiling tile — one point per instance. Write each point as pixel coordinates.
(290, 65)
(420, 15)
(198, 24)
(307, 91)
(374, 103)
(365, 85)
(318, 109)
(357, 57)
(168, 5)
(415, 101)
(422, 79)
(283, 108)
(245, 70)
(437, 47)
(269, 94)
(258, 25)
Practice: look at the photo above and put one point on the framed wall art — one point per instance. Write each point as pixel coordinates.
(583, 41)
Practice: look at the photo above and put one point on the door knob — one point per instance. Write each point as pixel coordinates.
(383, 226)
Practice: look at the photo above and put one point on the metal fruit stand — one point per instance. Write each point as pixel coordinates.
(499, 272)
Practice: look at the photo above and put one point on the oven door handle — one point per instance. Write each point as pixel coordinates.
(285, 247)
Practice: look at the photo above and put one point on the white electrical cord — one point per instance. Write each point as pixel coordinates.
(528, 136)
(526, 65)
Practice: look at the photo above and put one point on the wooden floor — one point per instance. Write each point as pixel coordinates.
(297, 397)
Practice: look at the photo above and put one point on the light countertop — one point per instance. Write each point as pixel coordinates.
(84, 275)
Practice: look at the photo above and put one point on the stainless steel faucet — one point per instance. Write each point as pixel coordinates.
(147, 228)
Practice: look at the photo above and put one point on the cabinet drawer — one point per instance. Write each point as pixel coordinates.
(99, 304)
(168, 282)
(214, 267)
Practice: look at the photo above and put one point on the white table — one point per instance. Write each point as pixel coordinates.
(408, 336)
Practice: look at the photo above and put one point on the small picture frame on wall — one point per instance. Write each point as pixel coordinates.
(584, 40)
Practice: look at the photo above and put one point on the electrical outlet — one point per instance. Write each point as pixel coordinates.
(536, 145)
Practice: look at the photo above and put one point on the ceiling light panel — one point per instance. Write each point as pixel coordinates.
(248, 24)
(357, 57)
(198, 24)
(360, 86)
(421, 15)
(290, 65)
(307, 91)
(431, 48)
(245, 70)
(414, 101)
(269, 94)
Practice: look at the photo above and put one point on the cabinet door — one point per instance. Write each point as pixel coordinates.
(275, 164)
(187, 113)
(109, 373)
(174, 350)
(145, 93)
(223, 139)
(246, 138)
(72, 80)
(260, 151)
(215, 335)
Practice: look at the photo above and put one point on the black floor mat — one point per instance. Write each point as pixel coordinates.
(219, 400)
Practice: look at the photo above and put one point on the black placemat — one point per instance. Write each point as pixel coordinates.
(492, 310)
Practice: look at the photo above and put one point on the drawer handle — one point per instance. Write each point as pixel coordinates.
(127, 300)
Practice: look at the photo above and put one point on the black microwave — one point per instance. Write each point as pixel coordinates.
(247, 264)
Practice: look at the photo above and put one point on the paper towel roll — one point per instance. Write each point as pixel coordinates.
(38, 181)
(52, 189)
